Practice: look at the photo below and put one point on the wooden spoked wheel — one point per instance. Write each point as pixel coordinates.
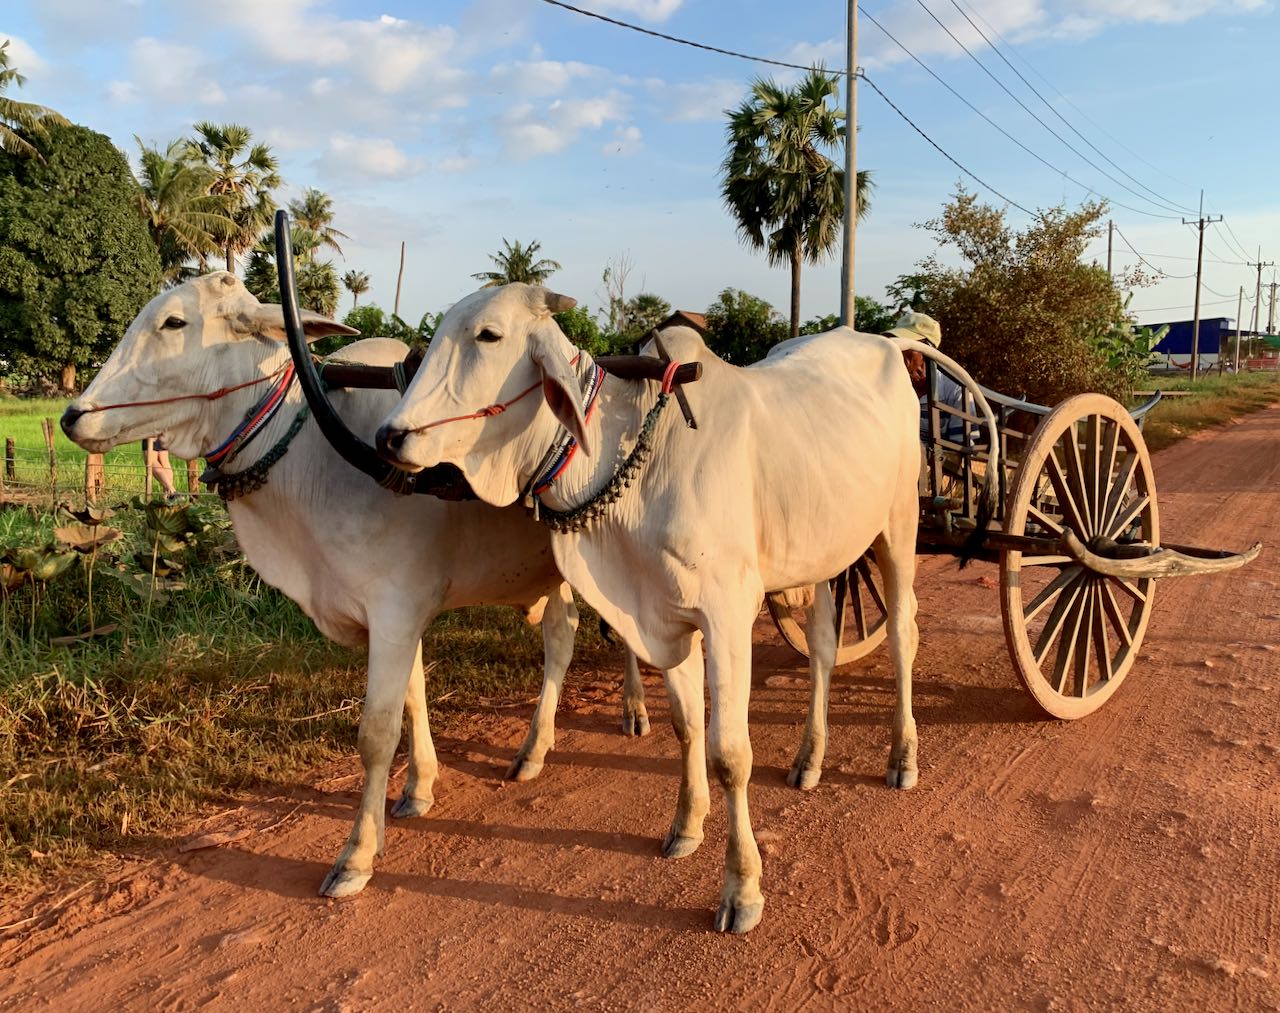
(1074, 634)
(861, 613)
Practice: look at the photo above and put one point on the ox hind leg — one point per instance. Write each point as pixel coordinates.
(806, 769)
(635, 717)
(896, 555)
(559, 624)
(728, 637)
(418, 795)
(684, 691)
(390, 666)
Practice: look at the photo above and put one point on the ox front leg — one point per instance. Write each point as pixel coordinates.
(635, 717)
(688, 714)
(390, 664)
(419, 786)
(729, 745)
(559, 624)
(897, 559)
(806, 770)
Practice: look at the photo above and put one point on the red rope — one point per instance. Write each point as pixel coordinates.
(491, 410)
(221, 392)
(669, 376)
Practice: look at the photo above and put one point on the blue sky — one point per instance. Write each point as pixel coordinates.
(451, 124)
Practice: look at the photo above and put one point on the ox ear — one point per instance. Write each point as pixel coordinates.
(559, 384)
(267, 320)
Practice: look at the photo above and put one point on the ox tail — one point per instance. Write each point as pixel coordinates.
(606, 633)
(989, 497)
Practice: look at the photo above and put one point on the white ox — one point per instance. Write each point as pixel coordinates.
(798, 465)
(364, 564)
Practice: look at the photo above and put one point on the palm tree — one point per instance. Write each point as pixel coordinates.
(15, 115)
(186, 221)
(516, 263)
(357, 283)
(317, 282)
(777, 180)
(244, 175)
(315, 212)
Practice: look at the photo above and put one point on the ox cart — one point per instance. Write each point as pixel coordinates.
(1076, 534)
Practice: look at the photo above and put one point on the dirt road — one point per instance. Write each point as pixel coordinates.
(1129, 859)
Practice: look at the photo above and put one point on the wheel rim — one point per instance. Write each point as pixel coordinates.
(1073, 634)
(862, 620)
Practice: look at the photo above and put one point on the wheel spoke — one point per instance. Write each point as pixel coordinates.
(1037, 604)
(846, 588)
(1130, 589)
(1082, 640)
(864, 568)
(1106, 465)
(1119, 488)
(1053, 626)
(1044, 520)
(1070, 512)
(1112, 608)
(1092, 463)
(1075, 474)
(1069, 642)
(1100, 646)
(1118, 526)
(1046, 560)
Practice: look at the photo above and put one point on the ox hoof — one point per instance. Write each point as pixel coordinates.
(737, 917)
(344, 882)
(406, 807)
(804, 778)
(678, 845)
(523, 769)
(635, 723)
(902, 775)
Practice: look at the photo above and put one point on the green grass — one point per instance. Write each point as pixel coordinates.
(1212, 400)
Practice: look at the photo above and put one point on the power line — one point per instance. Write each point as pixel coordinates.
(1172, 205)
(1035, 117)
(1235, 239)
(793, 66)
(1163, 274)
(1083, 115)
(1187, 306)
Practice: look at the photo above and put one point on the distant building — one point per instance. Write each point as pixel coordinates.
(1175, 347)
(686, 318)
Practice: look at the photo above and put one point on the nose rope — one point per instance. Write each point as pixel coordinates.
(491, 410)
(221, 392)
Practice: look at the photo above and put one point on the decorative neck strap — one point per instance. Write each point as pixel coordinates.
(254, 421)
(560, 453)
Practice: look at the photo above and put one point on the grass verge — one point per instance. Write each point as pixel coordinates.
(1210, 401)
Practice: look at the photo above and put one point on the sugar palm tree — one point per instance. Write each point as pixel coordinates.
(244, 174)
(777, 179)
(186, 221)
(24, 116)
(357, 283)
(314, 211)
(517, 263)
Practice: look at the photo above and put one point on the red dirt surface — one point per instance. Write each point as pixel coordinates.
(1128, 859)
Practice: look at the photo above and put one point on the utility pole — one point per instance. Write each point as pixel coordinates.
(1110, 232)
(1271, 313)
(1257, 298)
(1239, 313)
(848, 303)
(1195, 327)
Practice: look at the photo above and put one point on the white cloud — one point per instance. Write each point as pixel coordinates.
(648, 10)
(695, 101)
(169, 70)
(24, 57)
(526, 134)
(536, 78)
(375, 156)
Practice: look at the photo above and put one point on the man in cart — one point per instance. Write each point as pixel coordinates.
(922, 327)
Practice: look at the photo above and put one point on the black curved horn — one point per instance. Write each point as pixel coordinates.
(354, 451)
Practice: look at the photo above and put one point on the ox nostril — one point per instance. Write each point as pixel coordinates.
(69, 419)
(390, 440)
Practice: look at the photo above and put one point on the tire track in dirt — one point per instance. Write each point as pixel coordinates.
(1123, 860)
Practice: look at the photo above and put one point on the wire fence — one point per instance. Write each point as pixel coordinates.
(49, 474)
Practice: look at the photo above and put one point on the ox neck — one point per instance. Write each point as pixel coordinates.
(616, 426)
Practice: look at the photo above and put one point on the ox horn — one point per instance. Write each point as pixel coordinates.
(353, 450)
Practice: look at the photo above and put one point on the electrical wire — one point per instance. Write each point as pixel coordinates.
(1163, 274)
(1188, 306)
(1235, 239)
(1172, 205)
(1079, 154)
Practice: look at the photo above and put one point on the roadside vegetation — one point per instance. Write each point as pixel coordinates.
(1211, 400)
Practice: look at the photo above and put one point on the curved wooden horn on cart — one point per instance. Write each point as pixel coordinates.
(355, 451)
(1141, 562)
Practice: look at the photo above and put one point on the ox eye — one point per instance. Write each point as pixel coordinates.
(488, 335)
(174, 324)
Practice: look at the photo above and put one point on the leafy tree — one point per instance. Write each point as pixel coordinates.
(317, 282)
(517, 263)
(869, 316)
(777, 179)
(579, 326)
(314, 212)
(244, 175)
(369, 320)
(357, 283)
(741, 328)
(1023, 313)
(21, 123)
(642, 314)
(76, 261)
(910, 292)
(186, 221)
(318, 286)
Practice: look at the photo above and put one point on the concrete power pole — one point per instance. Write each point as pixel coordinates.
(1195, 327)
(1111, 228)
(1257, 297)
(1239, 313)
(1271, 313)
(848, 303)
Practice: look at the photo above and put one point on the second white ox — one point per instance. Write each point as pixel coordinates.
(798, 465)
(365, 565)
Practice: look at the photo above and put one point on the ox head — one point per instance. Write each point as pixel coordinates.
(204, 335)
(489, 349)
